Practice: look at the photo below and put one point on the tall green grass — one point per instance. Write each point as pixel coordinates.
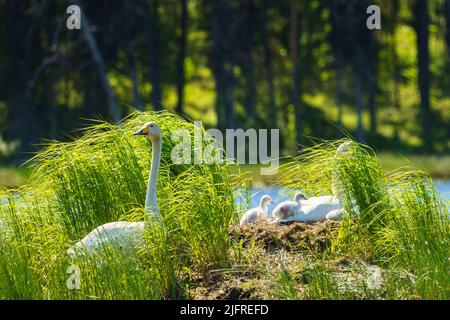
(393, 220)
(99, 178)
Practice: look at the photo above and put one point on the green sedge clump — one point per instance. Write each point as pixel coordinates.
(99, 178)
(393, 219)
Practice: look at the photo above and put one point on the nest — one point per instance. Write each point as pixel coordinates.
(292, 236)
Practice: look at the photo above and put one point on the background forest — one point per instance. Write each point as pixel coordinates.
(311, 68)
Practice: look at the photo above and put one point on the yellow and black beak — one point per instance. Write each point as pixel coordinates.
(142, 132)
(139, 133)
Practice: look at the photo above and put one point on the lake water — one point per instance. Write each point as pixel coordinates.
(279, 194)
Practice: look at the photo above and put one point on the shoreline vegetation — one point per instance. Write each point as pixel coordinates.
(392, 243)
(436, 166)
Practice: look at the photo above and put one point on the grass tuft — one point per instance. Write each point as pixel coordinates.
(394, 220)
(102, 177)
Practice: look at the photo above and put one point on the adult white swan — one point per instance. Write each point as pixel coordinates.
(258, 213)
(328, 207)
(123, 234)
(319, 208)
(288, 208)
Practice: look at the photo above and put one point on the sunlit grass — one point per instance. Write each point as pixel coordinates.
(437, 166)
(395, 220)
(99, 178)
(395, 223)
(13, 177)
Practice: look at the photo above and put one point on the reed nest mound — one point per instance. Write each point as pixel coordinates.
(294, 241)
(292, 236)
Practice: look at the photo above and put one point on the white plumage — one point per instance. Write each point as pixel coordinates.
(335, 214)
(259, 213)
(288, 208)
(317, 208)
(310, 210)
(123, 235)
(126, 235)
(345, 149)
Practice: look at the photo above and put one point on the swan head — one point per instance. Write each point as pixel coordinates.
(300, 196)
(151, 130)
(265, 200)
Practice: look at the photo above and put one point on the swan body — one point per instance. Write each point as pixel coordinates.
(318, 200)
(319, 211)
(322, 202)
(315, 209)
(328, 207)
(288, 208)
(258, 213)
(344, 149)
(121, 234)
(335, 214)
(318, 208)
(126, 235)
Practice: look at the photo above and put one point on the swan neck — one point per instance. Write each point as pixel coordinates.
(264, 208)
(151, 201)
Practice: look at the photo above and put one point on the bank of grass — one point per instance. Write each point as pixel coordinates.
(436, 166)
(13, 177)
(395, 224)
(393, 242)
(99, 178)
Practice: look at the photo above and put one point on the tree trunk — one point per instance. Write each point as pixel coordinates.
(423, 58)
(395, 70)
(396, 73)
(372, 107)
(114, 111)
(339, 62)
(93, 107)
(21, 116)
(339, 89)
(223, 62)
(294, 46)
(153, 53)
(269, 73)
(358, 93)
(181, 57)
(447, 22)
(131, 55)
(372, 82)
(217, 64)
(50, 105)
(247, 33)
